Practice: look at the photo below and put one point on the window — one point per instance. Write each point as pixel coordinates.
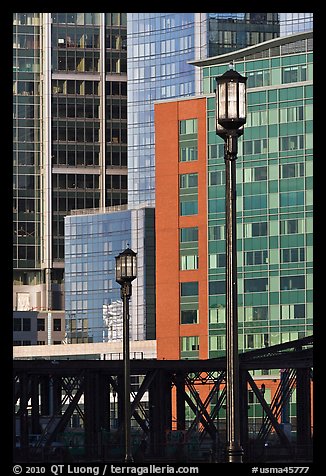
(252, 202)
(217, 315)
(189, 289)
(57, 324)
(292, 170)
(26, 325)
(290, 283)
(254, 174)
(17, 325)
(256, 257)
(188, 140)
(188, 234)
(292, 255)
(255, 285)
(216, 232)
(216, 177)
(189, 316)
(188, 207)
(257, 313)
(255, 229)
(289, 227)
(216, 287)
(40, 324)
(188, 248)
(189, 261)
(293, 311)
(290, 199)
(258, 146)
(216, 343)
(188, 126)
(189, 347)
(217, 260)
(188, 194)
(188, 181)
(292, 74)
(292, 142)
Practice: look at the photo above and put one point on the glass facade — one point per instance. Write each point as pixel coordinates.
(274, 201)
(159, 48)
(26, 148)
(295, 22)
(89, 114)
(230, 31)
(70, 136)
(93, 304)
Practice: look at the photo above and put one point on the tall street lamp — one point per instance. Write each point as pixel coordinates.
(125, 272)
(230, 119)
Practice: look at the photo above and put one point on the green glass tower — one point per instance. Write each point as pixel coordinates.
(274, 196)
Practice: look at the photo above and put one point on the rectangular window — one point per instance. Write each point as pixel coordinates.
(189, 347)
(216, 287)
(256, 257)
(188, 248)
(255, 174)
(188, 181)
(292, 255)
(293, 74)
(289, 227)
(217, 315)
(189, 289)
(292, 170)
(253, 202)
(40, 324)
(255, 229)
(257, 313)
(217, 260)
(189, 316)
(57, 324)
(17, 326)
(188, 149)
(26, 325)
(188, 234)
(188, 194)
(188, 261)
(290, 199)
(188, 207)
(188, 126)
(291, 142)
(255, 285)
(216, 232)
(293, 311)
(216, 177)
(290, 283)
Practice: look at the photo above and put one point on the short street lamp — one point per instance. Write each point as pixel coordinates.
(230, 118)
(125, 272)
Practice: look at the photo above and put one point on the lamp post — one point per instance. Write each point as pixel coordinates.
(230, 118)
(125, 272)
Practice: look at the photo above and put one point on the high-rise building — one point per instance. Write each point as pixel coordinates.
(274, 207)
(160, 47)
(274, 213)
(93, 302)
(70, 138)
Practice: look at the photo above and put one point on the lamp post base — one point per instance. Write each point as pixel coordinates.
(234, 453)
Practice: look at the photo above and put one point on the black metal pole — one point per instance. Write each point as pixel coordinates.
(234, 449)
(125, 294)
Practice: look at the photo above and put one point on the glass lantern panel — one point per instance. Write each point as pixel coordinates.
(242, 100)
(232, 100)
(222, 100)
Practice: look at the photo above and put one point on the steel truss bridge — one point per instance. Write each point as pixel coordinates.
(51, 391)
